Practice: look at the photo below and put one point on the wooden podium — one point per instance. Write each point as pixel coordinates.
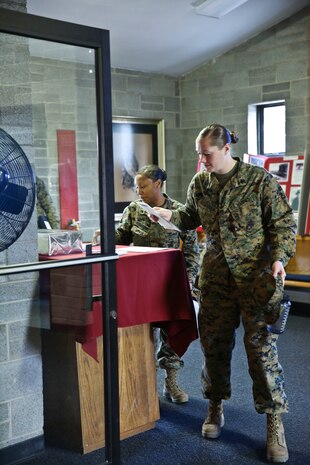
(159, 291)
(74, 391)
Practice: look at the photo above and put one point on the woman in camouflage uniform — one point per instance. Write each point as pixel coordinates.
(45, 208)
(250, 235)
(136, 228)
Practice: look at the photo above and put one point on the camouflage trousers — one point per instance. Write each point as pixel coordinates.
(222, 307)
(166, 357)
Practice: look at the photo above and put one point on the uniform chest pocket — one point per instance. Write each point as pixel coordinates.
(246, 218)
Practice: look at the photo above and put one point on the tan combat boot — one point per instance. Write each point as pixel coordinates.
(276, 445)
(214, 422)
(171, 388)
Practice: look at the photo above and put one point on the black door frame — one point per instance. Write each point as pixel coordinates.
(23, 24)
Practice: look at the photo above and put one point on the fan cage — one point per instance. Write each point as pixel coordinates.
(15, 209)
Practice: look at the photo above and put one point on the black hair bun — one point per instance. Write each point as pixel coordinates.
(234, 137)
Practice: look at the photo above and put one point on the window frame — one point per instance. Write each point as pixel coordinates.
(260, 125)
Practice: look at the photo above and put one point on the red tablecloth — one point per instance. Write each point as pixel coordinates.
(152, 287)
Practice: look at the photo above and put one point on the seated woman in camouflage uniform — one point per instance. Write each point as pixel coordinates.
(136, 228)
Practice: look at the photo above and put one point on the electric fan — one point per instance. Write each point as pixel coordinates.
(17, 190)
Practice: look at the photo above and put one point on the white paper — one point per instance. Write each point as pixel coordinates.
(164, 223)
(121, 251)
(135, 248)
(131, 248)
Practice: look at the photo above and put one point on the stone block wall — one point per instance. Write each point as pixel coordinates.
(153, 96)
(63, 96)
(21, 401)
(274, 65)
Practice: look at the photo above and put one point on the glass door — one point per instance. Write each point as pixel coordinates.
(56, 193)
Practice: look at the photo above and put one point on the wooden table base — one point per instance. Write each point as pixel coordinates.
(74, 393)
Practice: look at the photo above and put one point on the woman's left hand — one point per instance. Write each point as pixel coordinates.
(278, 269)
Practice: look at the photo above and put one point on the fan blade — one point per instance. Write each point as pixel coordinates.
(12, 200)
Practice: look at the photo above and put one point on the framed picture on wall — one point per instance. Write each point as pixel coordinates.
(280, 171)
(136, 142)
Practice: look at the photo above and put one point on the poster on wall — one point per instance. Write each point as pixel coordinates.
(280, 171)
(258, 161)
(297, 172)
(294, 197)
(135, 143)
(288, 171)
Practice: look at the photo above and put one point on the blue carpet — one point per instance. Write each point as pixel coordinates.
(177, 440)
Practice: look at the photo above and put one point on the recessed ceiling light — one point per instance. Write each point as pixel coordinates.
(216, 8)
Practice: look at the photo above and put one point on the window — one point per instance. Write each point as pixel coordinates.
(271, 128)
(266, 128)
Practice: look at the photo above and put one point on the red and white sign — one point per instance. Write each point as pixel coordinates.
(287, 170)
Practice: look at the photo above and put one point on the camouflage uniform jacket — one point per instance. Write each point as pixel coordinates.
(248, 223)
(44, 204)
(137, 228)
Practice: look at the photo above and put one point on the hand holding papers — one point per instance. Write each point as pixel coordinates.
(164, 223)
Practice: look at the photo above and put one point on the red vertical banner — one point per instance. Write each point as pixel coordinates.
(68, 183)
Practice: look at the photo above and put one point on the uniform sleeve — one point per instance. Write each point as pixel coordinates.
(190, 249)
(279, 222)
(45, 204)
(187, 217)
(123, 234)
